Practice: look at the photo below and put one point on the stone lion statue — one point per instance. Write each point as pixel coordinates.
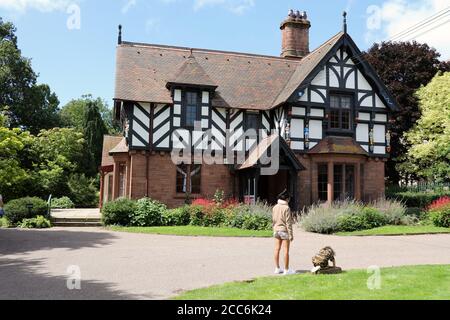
(322, 259)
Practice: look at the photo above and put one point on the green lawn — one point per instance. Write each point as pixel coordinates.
(415, 282)
(195, 231)
(396, 230)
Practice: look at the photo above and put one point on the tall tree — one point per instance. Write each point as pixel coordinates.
(73, 113)
(30, 106)
(94, 129)
(429, 155)
(13, 177)
(404, 67)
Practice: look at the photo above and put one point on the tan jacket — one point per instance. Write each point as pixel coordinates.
(282, 219)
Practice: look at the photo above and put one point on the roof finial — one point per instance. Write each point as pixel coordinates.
(119, 41)
(345, 21)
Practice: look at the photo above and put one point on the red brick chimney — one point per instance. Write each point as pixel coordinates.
(295, 32)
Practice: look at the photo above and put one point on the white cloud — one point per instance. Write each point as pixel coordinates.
(151, 25)
(128, 5)
(235, 6)
(396, 16)
(21, 6)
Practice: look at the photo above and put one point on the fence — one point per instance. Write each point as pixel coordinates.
(422, 186)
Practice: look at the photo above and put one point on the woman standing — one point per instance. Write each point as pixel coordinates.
(1, 206)
(282, 220)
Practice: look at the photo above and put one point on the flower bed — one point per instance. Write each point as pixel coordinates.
(202, 212)
(353, 216)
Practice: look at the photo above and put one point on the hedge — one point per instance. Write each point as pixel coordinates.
(417, 199)
(17, 210)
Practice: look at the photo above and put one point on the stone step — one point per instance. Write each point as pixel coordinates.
(76, 222)
(76, 219)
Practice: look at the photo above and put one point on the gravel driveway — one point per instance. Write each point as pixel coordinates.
(37, 264)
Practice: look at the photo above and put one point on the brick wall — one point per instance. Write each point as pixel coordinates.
(374, 184)
(162, 179)
(372, 180)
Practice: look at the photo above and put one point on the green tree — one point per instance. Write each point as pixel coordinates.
(94, 130)
(13, 177)
(403, 67)
(74, 112)
(429, 154)
(56, 154)
(31, 106)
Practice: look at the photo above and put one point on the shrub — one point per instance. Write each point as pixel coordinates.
(196, 215)
(36, 223)
(118, 212)
(367, 218)
(219, 197)
(441, 217)
(439, 212)
(256, 222)
(17, 210)
(4, 223)
(148, 213)
(207, 216)
(372, 218)
(249, 217)
(393, 211)
(326, 218)
(351, 222)
(203, 202)
(62, 203)
(176, 217)
(439, 203)
(418, 199)
(83, 191)
(230, 203)
(353, 216)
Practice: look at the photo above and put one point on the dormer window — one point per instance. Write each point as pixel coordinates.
(191, 109)
(252, 121)
(340, 110)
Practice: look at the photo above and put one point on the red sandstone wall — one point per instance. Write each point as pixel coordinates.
(162, 179)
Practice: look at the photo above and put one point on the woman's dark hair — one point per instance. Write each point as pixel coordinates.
(284, 195)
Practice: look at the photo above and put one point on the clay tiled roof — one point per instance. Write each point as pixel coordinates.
(244, 81)
(121, 147)
(338, 145)
(109, 142)
(192, 73)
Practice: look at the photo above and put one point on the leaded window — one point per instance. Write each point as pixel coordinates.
(340, 110)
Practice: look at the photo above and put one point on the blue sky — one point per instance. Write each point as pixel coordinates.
(80, 59)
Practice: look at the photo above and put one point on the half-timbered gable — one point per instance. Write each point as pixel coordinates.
(328, 107)
(341, 96)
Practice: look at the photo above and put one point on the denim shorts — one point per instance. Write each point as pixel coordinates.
(281, 235)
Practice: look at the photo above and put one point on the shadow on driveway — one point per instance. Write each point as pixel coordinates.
(17, 241)
(21, 281)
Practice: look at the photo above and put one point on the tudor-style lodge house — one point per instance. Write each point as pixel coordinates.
(326, 109)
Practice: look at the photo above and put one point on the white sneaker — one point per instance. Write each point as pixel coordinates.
(278, 271)
(288, 272)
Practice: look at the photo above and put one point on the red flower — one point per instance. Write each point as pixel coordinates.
(203, 202)
(439, 203)
(230, 203)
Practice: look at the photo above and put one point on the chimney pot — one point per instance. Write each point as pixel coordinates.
(295, 35)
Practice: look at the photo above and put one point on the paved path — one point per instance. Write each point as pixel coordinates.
(76, 213)
(33, 264)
